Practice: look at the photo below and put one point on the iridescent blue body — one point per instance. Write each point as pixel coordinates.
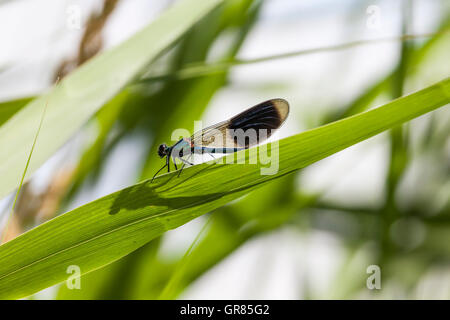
(260, 120)
(185, 147)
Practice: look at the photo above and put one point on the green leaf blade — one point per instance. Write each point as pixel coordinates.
(104, 230)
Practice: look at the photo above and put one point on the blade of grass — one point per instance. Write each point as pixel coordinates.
(105, 230)
(5, 230)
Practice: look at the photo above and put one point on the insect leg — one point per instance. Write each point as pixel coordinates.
(182, 167)
(174, 163)
(158, 172)
(187, 162)
(184, 163)
(168, 163)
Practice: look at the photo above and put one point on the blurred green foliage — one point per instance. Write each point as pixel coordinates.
(386, 235)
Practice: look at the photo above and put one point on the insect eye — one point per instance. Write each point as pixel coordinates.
(162, 150)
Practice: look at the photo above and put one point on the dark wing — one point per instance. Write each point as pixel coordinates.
(246, 129)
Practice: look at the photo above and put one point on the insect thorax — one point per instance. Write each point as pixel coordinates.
(181, 148)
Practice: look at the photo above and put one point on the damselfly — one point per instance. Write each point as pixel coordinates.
(244, 130)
